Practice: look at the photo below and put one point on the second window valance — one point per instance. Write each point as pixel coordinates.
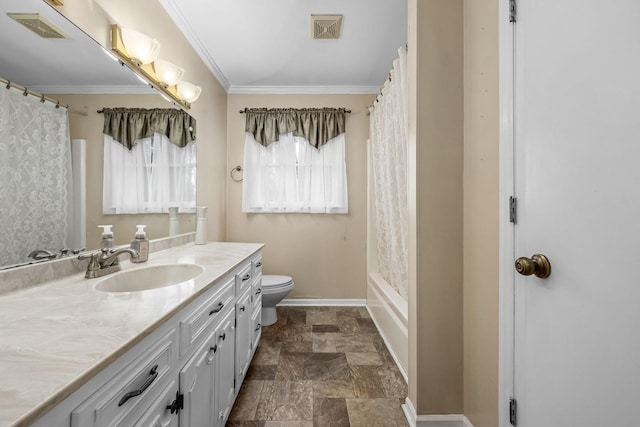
(127, 125)
(316, 125)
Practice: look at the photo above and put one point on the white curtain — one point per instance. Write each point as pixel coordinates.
(388, 142)
(292, 176)
(151, 177)
(36, 198)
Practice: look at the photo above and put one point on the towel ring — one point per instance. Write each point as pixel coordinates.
(236, 169)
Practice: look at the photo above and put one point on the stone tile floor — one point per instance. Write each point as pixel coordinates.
(321, 366)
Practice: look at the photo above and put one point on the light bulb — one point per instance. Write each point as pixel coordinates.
(188, 91)
(142, 49)
(168, 73)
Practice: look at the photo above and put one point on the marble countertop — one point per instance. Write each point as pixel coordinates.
(56, 336)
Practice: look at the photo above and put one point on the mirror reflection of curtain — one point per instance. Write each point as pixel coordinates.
(151, 177)
(388, 141)
(35, 177)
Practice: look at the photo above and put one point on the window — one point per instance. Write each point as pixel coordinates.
(151, 177)
(292, 176)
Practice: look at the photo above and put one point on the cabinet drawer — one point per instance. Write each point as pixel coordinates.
(195, 326)
(243, 279)
(125, 397)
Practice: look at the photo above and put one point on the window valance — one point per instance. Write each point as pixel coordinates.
(127, 125)
(316, 125)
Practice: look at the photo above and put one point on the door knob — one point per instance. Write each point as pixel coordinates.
(538, 264)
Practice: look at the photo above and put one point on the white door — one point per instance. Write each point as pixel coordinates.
(577, 180)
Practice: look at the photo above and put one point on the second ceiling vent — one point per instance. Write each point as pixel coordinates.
(326, 26)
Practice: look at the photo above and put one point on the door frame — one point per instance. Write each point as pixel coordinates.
(506, 37)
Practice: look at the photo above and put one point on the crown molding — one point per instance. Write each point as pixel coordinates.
(305, 90)
(173, 9)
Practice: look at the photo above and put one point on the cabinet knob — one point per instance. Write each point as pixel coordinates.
(242, 308)
(223, 336)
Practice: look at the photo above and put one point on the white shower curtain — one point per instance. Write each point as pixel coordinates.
(35, 177)
(388, 142)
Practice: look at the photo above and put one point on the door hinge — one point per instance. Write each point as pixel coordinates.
(513, 10)
(513, 209)
(513, 409)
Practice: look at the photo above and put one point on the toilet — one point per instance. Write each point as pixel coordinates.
(274, 289)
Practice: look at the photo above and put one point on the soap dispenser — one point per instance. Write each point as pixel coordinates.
(141, 244)
(107, 237)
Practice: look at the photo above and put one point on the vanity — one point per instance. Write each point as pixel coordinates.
(120, 351)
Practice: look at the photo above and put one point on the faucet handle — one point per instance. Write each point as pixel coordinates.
(94, 265)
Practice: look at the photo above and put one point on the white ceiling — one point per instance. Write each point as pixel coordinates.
(258, 46)
(251, 46)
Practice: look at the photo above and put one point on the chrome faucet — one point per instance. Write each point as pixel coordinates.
(105, 262)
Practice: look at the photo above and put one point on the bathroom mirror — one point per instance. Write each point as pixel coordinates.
(76, 70)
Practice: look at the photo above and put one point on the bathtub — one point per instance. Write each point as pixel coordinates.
(390, 313)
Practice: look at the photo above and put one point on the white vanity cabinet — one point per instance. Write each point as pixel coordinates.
(185, 373)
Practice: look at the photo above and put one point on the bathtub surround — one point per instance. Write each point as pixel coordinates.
(388, 216)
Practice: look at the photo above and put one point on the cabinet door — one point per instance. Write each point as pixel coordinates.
(197, 385)
(225, 378)
(243, 335)
(158, 415)
(256, 330)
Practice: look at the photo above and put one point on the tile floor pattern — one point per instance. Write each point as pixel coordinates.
(321, 367)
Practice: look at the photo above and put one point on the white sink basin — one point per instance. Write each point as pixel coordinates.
(153, 277)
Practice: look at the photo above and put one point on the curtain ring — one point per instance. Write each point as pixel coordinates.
(236, 169)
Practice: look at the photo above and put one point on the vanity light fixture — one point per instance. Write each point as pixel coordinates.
(168, 73)
(161, 74)
(188, 91)
(142, 49)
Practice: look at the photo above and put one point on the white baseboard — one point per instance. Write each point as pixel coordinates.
(449, 420)
(310, 302)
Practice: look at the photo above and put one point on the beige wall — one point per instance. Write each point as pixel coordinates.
(481, 126)
(325, 254)
(210, 110)
(89, 127)
(435, 250)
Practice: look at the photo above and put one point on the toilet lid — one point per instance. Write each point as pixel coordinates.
(274, 281)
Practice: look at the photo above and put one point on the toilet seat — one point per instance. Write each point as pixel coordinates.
(275, 282)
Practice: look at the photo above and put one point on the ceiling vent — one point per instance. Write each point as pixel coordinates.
(38, 25)
(325, 26)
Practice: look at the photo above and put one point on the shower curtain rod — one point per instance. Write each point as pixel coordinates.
(25, 91)
(245, 110)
